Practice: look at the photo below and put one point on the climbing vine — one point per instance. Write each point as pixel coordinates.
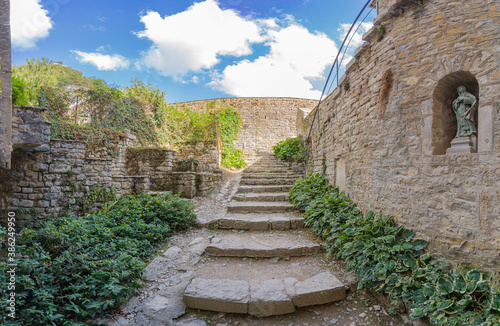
(229, 122)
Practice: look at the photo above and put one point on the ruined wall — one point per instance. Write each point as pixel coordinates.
(64, 175)
(5, 86)
(384, 138)
(191, 171)
(265, 121)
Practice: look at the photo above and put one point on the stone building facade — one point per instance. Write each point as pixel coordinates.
(264, 120)
(384, 133)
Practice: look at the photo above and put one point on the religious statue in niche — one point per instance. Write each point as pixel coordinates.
(464, 108)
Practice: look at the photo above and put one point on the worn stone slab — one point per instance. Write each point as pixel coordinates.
(267, 169)
(242, 223)
(269, 298)
(281, 223)
(231, 296)
(260, 189)
(265, 196)
(320, 289)
(266, 175)
(258, 207)
(261, 247)
(264, 182)
(256, 222)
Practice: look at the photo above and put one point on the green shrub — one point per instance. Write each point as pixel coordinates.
(386, 258)
(76, 268)
(304, 191)
(19, 92)
(291, 149)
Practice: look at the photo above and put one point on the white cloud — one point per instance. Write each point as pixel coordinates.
(29, 23)
(192, 40)
(103, 61)
(357, 38)
(296, 57)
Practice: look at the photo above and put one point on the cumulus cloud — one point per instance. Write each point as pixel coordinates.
(357, 37)
(296, 58)
(29, 23)
(103, 61)
(192, 40)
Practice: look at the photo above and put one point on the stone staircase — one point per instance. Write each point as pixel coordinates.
(264, 272)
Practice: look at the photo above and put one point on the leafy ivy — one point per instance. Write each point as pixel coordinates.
(229, 122)
(387, 258)
(76, 268)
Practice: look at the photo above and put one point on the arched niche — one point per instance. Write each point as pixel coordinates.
(444, 121)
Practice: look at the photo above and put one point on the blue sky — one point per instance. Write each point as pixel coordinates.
(191, 49)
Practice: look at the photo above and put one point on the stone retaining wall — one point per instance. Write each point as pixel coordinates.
(265, 120)
(383, 138)
(64, 175)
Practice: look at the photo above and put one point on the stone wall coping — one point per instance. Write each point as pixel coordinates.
(393, 10)
(98, 159)
(247, 98)
(129, 176)
(68, 141)
(28, 107)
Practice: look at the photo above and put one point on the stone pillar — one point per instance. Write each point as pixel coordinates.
(5, 86)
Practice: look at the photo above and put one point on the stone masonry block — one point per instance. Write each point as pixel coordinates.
(229, 296)
(320, 289)
(269, 298)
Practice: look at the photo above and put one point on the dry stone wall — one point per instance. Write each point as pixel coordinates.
(383, 139)
(265, 120)
(62, 175)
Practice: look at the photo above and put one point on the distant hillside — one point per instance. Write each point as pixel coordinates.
(47, 73)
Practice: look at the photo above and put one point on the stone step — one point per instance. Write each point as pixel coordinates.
(256, 222)
(264, 175)
(263, 298)
(261, 245)
(269, 163)
(270, 160)
(265, 182)
(263, 196)
(268, 170)
(258, 207)
(260, 189)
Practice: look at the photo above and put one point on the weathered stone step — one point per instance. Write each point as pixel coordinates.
(258, 207)
(280, 175)
(261, 245)
(267, 170)
(262, 298)
(263, 196)
(256, 222)
(265, 182)
(268, 188)
(269, 165)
